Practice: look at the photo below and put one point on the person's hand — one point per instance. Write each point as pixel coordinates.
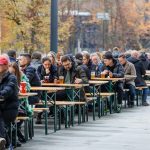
(55, 81)
(47, 71)
(77, 81)
(105, 72)
(110, 74)
(42, 81)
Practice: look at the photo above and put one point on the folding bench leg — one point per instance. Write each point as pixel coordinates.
(79, 114)
(99, 106)
(87, 113)
(26, 129)
(83, 113)
(93, 109)
(59, 116)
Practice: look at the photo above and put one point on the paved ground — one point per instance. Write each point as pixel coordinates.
(129, 130)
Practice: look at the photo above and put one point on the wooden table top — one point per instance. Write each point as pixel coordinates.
(97, 82)
(49, 89)
(108, 79)
(26, 95)
(65, 85)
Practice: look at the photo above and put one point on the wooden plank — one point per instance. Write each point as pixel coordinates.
(26, 95)
(64, 85)
(108, 79)
(97, 82)
(50, 89)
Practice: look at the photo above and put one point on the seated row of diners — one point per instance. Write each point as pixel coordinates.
(32, 83)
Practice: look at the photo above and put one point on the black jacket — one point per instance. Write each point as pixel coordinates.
(84, 67)
(76, 72)
(145, 61)
(32, 75)
(140, 71)
(117, 69)
(9, 92)
(52, 75)
(91, 67)
(34, 80)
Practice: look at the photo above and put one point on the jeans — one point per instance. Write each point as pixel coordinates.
(132, 93)
(144, 95)
(6, 117)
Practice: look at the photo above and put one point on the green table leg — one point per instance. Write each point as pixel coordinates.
(55, 113)
(46, 115)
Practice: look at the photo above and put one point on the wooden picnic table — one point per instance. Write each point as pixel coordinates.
(73, 93)
(65, 85)
(47, 90)
(26, 95)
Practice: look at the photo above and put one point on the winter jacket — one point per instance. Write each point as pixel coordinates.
(140, 71)
(34, 80)
(9, 92)
(52, 75)
(145, 61)
(75, 72)
(91, 67)
(35, 63)
(130, 70)
(117, 69)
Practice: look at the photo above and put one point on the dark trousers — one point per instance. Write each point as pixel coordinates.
(132, 93)
(6, 117)
(117, 87)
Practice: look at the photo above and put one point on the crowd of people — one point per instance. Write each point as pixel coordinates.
(34, 69)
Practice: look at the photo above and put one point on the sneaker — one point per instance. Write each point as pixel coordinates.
(17, 144)
(118, 110)
(145, 104)
(2, 143)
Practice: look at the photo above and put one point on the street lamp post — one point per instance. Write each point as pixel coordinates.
(54, 26)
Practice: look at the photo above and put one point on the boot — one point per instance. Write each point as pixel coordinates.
(21, 137)
(2, 143)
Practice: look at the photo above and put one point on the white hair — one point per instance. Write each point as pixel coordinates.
(135, 54)
(95, 54)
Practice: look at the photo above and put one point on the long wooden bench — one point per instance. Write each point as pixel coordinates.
(101, 94)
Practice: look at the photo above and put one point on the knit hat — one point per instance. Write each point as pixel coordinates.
(108, 55)
(4, 60)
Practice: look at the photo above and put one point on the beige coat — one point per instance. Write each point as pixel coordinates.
(130, 70)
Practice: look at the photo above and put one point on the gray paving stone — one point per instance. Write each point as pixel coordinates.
(129, 130)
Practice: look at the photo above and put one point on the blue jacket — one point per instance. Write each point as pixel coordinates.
(9, 92)
(34, 80)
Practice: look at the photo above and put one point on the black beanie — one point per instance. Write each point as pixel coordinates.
(108, 55)
(79, 56)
